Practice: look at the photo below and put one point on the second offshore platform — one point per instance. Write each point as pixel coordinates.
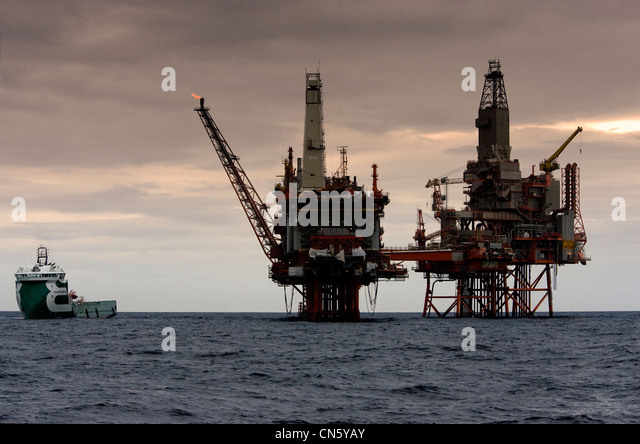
(324, 240)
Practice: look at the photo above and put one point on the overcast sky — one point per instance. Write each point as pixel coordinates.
(122, 184)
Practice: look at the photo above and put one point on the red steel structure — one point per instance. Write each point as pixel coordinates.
(501, 249)
(327, 252)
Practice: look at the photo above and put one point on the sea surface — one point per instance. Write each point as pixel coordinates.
(269, 368)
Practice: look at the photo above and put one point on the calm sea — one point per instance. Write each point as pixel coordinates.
(254, 368)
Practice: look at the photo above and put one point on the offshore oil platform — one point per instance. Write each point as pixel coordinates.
(324, 240)
(509, 225)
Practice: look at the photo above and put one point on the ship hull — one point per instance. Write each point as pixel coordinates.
(49, 300)
(43, 299)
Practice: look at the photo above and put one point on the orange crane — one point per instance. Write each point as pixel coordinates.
(550, 164)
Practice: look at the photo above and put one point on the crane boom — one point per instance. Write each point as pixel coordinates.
(443, 180)
(550, 164)
(253, 206)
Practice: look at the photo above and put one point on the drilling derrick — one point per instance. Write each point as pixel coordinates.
(325, 239)
(510, 228)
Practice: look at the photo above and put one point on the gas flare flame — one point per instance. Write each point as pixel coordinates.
(196, 96)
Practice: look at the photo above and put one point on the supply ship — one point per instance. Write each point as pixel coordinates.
(42, 292)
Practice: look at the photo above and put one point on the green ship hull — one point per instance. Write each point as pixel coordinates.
(43, 299)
